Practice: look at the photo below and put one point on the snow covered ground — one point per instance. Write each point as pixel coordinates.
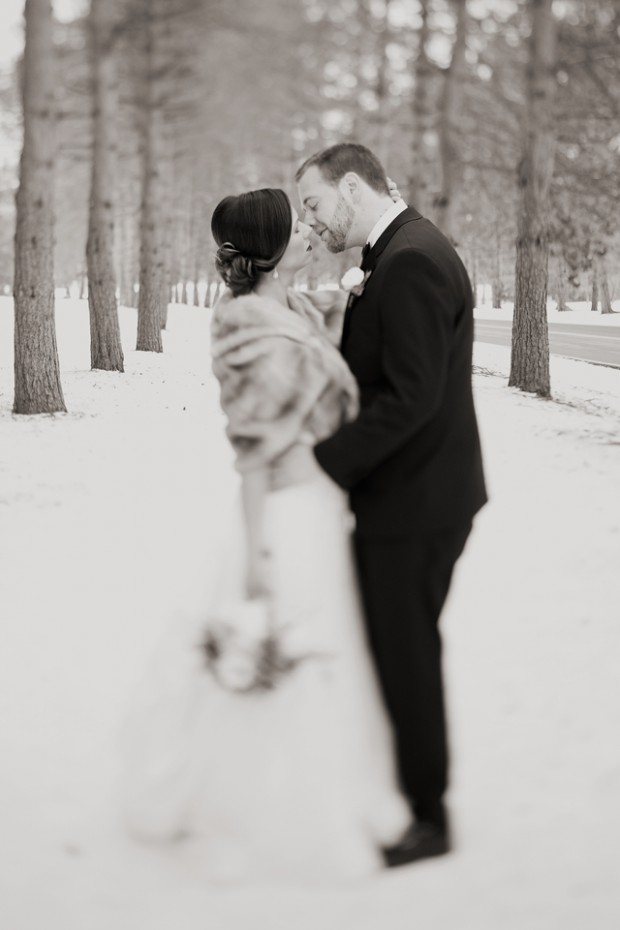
(109, 519)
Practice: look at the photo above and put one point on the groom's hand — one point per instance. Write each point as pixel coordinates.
(394, 191)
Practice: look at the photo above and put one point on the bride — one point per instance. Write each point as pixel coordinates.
(272, 756)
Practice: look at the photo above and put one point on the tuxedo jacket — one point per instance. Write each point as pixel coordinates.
(411, 460)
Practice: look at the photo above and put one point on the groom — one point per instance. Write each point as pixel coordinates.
(411, 461)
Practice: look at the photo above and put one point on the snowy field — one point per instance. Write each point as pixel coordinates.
(109, 520)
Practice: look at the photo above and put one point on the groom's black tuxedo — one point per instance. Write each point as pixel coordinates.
(412, 464)
(412, 459)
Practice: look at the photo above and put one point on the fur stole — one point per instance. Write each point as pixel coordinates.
(279, 374)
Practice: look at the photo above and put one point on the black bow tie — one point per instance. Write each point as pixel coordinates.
(365, 252)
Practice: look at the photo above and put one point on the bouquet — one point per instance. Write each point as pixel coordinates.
(244, 649)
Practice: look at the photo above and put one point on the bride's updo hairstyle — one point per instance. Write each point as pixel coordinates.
(252, 231)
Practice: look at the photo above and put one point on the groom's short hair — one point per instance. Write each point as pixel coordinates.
(337, 160)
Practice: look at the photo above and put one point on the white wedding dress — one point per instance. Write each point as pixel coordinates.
(295, 782)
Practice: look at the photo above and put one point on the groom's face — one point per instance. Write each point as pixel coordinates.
(328, 209)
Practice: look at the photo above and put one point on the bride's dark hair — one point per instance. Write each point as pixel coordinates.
(252, 231)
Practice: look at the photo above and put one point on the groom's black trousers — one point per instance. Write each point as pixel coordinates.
(404, 584)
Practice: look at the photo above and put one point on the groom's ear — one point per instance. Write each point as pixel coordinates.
(350, 186)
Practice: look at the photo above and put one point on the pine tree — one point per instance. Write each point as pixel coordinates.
(105, 342)
(529, 367)
(37, 372)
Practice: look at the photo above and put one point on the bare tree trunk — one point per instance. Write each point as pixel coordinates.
(196, 243)
(153, 277)
(560, 287)
(529, 368)
(166, 52)
(127, 249)
(382, 117)
(445, 202)
(474, 274)
(175, 263)
(419, 175)
(106, 351)
(606, 306)
(181, 242)
(358, 53)
(372, 39)
(594, 306)
(37, 372)
(496, 294)
(497, 285)
(166, 297)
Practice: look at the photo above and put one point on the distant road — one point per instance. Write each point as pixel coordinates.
(590, 343)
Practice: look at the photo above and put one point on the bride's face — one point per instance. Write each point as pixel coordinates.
(298, 251)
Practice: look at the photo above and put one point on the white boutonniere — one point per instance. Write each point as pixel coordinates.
(354, 280)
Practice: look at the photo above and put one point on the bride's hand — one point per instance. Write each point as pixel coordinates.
(394, 191)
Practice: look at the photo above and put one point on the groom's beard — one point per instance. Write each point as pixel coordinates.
(340, 226)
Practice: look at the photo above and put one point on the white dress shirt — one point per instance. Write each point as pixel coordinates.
(384, 221)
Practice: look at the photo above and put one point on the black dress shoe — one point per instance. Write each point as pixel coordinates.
(421, 841)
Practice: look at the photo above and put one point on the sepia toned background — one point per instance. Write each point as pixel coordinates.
(132, 118)
(245, 90)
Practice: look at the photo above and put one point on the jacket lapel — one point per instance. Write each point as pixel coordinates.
(347, 320)
(371, 258)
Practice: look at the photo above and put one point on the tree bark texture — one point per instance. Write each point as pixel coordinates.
(497, 285)
(561, 287)
(37, 372)
(382, 116)
(473, 270)
(594, 306)
(127, 257)
(606, 306)
(106, 351)
(420, 167)
(529, 368)
(445, 202)
(196, 243)
(153, 296)
(166, 53)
